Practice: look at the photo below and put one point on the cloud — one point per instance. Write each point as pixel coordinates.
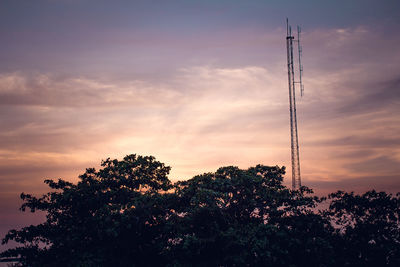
(200, 111)
(350, 71)
(338, 50)
(199, 117)
(359, 141)
(360, 184)
(46, 90)
(381, 164)
(375, 97)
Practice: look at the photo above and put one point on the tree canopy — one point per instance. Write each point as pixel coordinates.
(129, 213)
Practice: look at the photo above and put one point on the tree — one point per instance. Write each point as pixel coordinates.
(240, 217)
(368, 228)
(110, 216)
(128, 213)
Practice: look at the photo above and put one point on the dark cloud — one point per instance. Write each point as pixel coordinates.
(14, 171)
(358, 184)
(357, 153)
(382, 164)
(359, 141)
(50, 142)
(374, 97)
(13, 118)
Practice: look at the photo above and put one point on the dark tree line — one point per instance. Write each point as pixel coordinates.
(129, 213)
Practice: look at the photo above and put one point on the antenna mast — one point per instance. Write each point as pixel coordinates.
(296, 178)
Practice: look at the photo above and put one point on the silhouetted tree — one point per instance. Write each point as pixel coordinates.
(240, 217)
(110, 217)
(368, 228)
(128, 213)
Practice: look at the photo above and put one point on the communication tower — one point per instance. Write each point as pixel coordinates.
(290, 41)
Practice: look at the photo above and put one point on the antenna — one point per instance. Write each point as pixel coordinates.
(296, 178)
(300, 65)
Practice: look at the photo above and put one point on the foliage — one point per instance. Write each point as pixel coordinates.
(109, 217)
(243, 217)
(368, 228)
(129, 213)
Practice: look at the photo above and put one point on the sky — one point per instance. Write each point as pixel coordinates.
(199, 85)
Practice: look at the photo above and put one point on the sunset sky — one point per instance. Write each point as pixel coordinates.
(198, 85)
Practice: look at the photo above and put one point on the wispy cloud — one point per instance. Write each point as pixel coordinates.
(47, 90)
(202, 116)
